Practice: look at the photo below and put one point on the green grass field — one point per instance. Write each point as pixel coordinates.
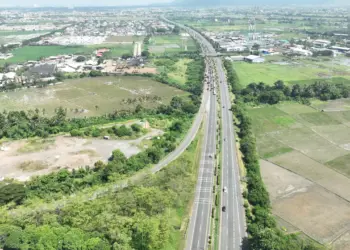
(29, 53)
(179, 74)
(159, 44)
(81, 96)
(303, 71)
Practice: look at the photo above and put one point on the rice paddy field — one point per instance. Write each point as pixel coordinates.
(305, 155)
(91, 96)
(292, 71)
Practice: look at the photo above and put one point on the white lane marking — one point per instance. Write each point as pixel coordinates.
(234, 184)
(197, 195)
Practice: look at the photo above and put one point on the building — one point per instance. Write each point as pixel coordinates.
(301, 52)
(340, 49)
(137, 49)
(43, 70)
(321, 43)
(254, 59)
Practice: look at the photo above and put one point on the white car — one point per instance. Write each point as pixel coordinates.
(224, 189)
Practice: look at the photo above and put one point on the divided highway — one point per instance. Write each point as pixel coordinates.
(232, 219)
(199, 227)
(232, 222)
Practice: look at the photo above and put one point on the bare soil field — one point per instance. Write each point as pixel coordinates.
(25, 158)
(320, 214)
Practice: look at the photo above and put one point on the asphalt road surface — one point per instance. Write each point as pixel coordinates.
(232, 221)
(198, 230)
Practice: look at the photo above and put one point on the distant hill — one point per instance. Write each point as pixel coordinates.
(247, 2)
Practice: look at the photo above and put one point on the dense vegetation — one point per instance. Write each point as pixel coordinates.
(194, 73)
(144, 216)
(261, 226)
(263, 93)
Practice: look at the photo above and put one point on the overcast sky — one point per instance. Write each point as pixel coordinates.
(4, 3)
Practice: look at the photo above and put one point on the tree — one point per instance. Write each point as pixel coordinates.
(177, 127)
(176, 102)
(122, 131)
(95, 73)
(118, 157)
(136, 127)
(256, 46)
(12, 192)
(176, 30)
(80, 59)
(126, 56)
(145, 53)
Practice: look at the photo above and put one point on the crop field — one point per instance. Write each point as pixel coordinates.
(91, 96)
(301, 71)
(306, 155)
(314, 203)
(169, 44)
(29, 53)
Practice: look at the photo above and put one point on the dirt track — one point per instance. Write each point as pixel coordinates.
(63, 152)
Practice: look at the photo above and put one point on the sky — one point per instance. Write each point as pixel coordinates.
(31, 3)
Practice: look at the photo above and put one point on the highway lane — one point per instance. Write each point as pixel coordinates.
(198, 231)
(232, 222)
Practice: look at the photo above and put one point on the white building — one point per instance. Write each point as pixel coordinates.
(254, 59)
(302, 52)
(321, 43)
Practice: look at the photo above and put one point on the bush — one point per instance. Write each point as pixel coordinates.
(122, 131)
(136, 128)
(96, 132)
(76, 132)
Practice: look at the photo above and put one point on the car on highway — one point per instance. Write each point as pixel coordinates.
(224, 208)
(224, 189)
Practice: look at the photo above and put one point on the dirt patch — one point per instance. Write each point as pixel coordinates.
(63, 152)
(32, 166)
(320, 214)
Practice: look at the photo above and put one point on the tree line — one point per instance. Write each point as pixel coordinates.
(263, 233)
(263, 93)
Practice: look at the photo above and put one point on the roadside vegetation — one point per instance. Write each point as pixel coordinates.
(263, 93)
